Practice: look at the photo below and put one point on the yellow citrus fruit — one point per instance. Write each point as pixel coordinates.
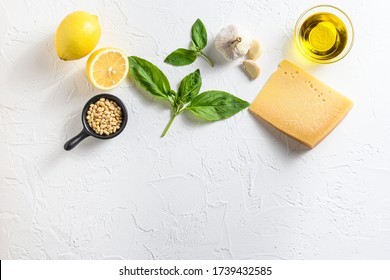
(107, 68)
(77, 35)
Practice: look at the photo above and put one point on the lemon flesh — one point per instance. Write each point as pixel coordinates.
(107, 68)
(77, 35)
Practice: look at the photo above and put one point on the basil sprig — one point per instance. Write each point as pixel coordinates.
(182, 56)
(210, 105)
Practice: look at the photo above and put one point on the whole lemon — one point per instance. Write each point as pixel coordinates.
(77, 35)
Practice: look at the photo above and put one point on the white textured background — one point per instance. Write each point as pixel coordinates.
(234, 189)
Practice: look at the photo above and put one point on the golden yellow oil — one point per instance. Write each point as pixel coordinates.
(323, 36)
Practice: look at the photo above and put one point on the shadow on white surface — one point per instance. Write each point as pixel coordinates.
(147, 98)
(284, 142)
(212, 52)
(37, 65)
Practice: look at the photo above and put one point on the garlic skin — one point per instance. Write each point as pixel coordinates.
(233, 42)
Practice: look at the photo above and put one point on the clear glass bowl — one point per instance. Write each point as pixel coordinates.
(324, 9)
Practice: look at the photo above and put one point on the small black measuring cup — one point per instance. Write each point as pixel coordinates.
(88, 131)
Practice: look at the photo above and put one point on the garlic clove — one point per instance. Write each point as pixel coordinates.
(255, 50)
(251, 68)
(233, 42)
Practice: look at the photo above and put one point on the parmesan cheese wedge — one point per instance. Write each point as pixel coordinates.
(300, 105)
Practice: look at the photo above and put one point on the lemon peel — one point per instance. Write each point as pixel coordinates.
(77, 35)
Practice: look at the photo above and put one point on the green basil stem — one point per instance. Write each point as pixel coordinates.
(207, 58)
(169, 124)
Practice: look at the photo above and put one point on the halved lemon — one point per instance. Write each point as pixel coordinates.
(107, 68)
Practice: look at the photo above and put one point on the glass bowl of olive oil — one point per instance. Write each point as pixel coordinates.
(324, 34)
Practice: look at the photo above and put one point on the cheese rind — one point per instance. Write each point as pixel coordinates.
(300, 105)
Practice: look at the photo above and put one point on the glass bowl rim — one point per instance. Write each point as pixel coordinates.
(351, 37)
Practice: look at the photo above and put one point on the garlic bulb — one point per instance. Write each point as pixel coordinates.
(233, 42)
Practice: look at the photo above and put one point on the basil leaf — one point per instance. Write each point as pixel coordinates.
(190, 86)
(199, 34)
(181, 57)
(216, 105)
(149, 77)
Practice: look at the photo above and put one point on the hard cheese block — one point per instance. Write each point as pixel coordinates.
(300, 105)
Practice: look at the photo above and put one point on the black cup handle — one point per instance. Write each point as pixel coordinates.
(76, 140)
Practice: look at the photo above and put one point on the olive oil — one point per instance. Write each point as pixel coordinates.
(323, 36)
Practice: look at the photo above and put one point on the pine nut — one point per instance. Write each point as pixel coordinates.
(104, 116)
